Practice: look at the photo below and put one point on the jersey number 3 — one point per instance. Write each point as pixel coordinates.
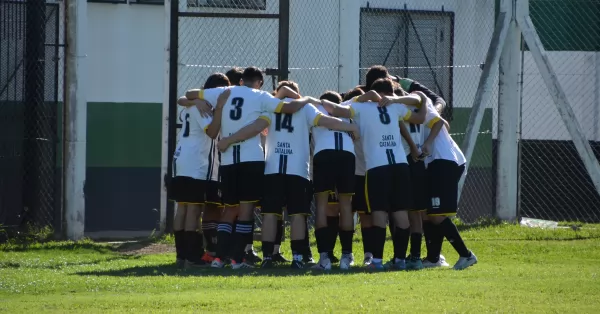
(236, 113)
(284, 122)
(384, 117)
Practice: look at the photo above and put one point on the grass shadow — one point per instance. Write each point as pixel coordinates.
(172, 270)
(61, 265)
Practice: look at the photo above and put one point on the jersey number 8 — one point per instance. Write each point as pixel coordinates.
(284, 122)
(384, 117)
(236, 113)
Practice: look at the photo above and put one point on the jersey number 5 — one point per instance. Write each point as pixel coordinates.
(384, 117)
(236, 112)
(284, 122)
(186, 132)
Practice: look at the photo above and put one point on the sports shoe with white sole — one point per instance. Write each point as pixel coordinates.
(368, 259)
(346, 261)
(440, 263)
(242, 265)
(217, 263)
(465, 262)
(323, 264)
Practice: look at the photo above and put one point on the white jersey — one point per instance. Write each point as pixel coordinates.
(417, 130)
(444, 147)
(242, 108)
(380, 132)
(329, 139)
(360, 167)
(194, 156)
(287, 145)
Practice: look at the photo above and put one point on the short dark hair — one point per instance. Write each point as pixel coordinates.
(375, 72)
(357, 91)
(383, 85)
(331, 96)
(216, 80)
(399, 91)
(252, 74)
(290, 84)
(235, 75)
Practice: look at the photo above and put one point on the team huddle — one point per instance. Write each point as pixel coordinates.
(376, 150)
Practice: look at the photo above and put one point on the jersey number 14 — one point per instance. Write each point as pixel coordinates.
(283, 121)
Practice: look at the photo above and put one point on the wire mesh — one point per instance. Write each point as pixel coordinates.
(440, 44)
(554, 182)
(30, 94)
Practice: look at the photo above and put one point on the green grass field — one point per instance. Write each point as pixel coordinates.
(520, 270)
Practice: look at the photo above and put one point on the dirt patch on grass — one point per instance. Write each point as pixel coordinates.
(141, 248)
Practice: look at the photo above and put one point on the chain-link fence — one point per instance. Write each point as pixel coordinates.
(554, 182)
(437, 43)
(30, 92)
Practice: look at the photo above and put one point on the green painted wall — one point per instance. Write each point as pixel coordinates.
(566, 25)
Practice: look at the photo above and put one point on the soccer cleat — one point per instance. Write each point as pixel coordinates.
(323, 264)
(414, 264)
(347, 261)
(443, 261)
(252, 258)
(368, 259)
(375, 266)
(279, 259)
(308, 260)
(217, 263)
(465, 262)
(267, 263)
(297, 265)
(207, 258)
(180, 263)
(242, 265)
(333, 258)
(394, 264)
(199, 264)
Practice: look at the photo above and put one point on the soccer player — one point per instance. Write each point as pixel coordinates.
(445, 165)
(287, 175)
(333, 172)
(387, 180)
(192, 164)
(242, 164)
(359, 203)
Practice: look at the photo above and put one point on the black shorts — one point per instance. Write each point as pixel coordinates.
(242, 182)
(187, 190)
(388, 188)
(359, 202)
(418, 184)
(442, 180)
(289, 191)
(213, 193)
(333, 171)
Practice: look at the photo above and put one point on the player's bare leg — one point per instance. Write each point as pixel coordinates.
(416, 237)
(224, 234)
(194, 243)
(268, 234)
(379, 219)
(346, 230)
(400, 238)
(448, 229)
(178, 230)
(243, 227)
(333, 223)
(366, 229)
(433, 242)
(322, 232)
(210, 219)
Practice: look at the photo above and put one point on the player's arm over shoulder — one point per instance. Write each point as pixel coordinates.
(412, 117)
